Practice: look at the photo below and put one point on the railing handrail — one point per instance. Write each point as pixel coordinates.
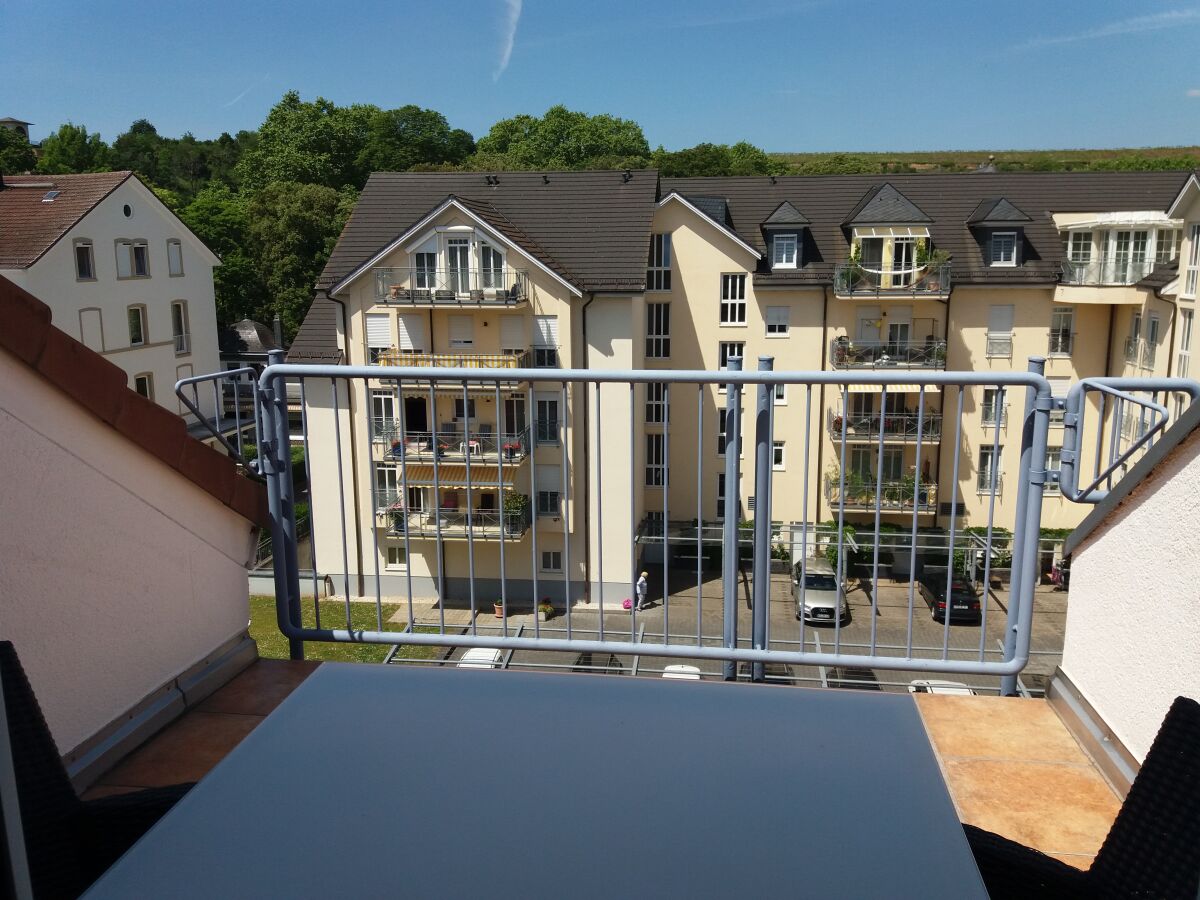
(221, 382)
(1108, 270)
(455, 358)
(855, 277)
(449, 285)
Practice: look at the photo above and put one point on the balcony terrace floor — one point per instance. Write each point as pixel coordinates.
(1010, 764)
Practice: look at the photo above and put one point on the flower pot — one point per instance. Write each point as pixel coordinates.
(499, 607)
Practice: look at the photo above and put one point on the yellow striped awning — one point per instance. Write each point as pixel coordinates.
(892, 388)
(455, 475)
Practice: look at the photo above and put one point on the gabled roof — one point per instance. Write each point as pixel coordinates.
(246, 336)
(784, 215)
(29, 227)
(316, 341)
(727, 230)
(1186, 190)
(594, 225)
(884, 205)
(102, 389)
(1160, 276)
(716, 208)
(997, 211)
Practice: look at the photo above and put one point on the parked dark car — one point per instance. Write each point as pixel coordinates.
(964, 602)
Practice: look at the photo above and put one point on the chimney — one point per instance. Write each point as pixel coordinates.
(277, 327)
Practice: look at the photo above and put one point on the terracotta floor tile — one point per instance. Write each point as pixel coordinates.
(184, 751)
(998, 728)
(1053, 808)
(260, 688)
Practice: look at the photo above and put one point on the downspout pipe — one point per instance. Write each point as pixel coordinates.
(358, 549)
(587, 465)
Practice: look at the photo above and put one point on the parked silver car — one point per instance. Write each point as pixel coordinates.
(821, 594)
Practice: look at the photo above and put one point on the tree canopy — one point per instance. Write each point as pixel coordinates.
(563, 139)
(15, 153)
(73, 149)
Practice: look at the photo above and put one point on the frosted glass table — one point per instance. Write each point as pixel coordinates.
(374, 781)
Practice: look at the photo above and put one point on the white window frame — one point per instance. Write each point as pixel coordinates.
(982, 484)
(785, 251)
(1053, 455)
(778, 456)
(733, 300)
(1079, 247)
(1166, 245)
(400, 563)
(658, 403)
(998, 412)
(550, 403)
(656, 459)
(996, 254)
(174, 258)
(89, 249)
(777, 321)
(181, 331)
(1000, 343)
(724, 352)
(658, 262)
(658, 330)
(379, 343)
(1059, 386)
(140, 309)
(383, 410)
(1184, 357)
(780, 395)
(554, 558)
(1060, 316)
(1193, 261)
(548, 502)
(148, 379)
(1149, 354)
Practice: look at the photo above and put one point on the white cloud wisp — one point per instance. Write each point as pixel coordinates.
(508, 35)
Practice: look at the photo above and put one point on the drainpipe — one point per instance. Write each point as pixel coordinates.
(1108, 352)
(587, 481)
(821, 411)
(358, 549)
(937, 462)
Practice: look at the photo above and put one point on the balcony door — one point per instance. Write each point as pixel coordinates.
(514, 415)
(416, 415)
(903, 259)
(872, 254)
(458, 265)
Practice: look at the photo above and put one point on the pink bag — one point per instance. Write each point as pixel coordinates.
(628, 604)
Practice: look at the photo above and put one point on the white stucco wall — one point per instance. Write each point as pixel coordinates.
(116, 572)
(107, 298)
(1133, 624)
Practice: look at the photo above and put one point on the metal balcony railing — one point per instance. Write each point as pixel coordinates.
(451, 287)
(1061, 343)
(183, 343)
(1131, 350)
(903, 426)
(926, 354)
(464, 359)
(999, 345)
(595, 486)
(1100, 272)
(480, 442)
(853, 279)
(862, 490)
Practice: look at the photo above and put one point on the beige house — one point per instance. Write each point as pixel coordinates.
(121, 272)
(627, 270)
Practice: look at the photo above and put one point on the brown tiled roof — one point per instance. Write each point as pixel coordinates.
(30, 227)
(100, 387)
(316, 341)
(594, 225)
(1162, 275)
(948, 200)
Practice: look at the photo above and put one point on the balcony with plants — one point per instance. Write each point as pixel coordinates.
(926, 273)
(453, 518)
(422, 287)
(900, 426)
(927, 353)
(857, 491)
(450, 443)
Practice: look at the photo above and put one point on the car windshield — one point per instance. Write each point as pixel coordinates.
(961, 592)
(818, 582)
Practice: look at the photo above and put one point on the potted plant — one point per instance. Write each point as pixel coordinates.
(545, 610)
(397, 449)
(511, 449)
(499, 607)
(516, 511)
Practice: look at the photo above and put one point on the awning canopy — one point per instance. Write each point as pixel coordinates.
(892, 231)
(455, 475)
(892, 388)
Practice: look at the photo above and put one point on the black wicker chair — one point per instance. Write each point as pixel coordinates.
(69, 842)
(1152, 849)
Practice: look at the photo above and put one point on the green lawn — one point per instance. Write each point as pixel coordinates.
(273, 645)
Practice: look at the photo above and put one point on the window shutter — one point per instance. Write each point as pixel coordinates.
(549, 478)
(379, 331)
(1000, 319)
(512, 333)
(124, 250)
(545, 331)
(899, 315)
(412, 331)
(462, 331)
(175, 257)
(1059, 386)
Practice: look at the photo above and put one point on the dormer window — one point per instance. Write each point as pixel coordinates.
(784, 251)
(1003, 248)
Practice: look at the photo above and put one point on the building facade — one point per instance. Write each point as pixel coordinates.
(922, 273)
(122, 273)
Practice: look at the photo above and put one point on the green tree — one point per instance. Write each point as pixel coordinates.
(563, 139)
(398, 139)
(72, 149)
(741, 158)
(291, 230)
(314, 142)
(835, 164)
(221, 219)
(141, 149)
(15, 153)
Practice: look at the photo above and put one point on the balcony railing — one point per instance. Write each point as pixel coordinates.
(853, 279)
(451, 287)
(1061, 343)
(1099, 272)
(858, 491)
(898, 426)
(1131, 350)
(450, 522)
(457, 360)
(999, 344)
(183, 343)
(927, 354)
(450, 444)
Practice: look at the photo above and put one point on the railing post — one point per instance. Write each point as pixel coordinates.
(729, 566)
(1008, 683)
(761, 560)
(275, 458)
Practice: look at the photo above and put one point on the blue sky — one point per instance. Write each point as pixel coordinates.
(806, 76)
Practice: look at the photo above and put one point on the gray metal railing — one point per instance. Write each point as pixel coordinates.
(854, 278)
(449, 444)
(235, 403)
(895, 426)
(499, 286)
(1112, 271)
(922, 354)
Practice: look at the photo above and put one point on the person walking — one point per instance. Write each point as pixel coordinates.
(642, 587)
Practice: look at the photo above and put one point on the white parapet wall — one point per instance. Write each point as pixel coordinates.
(1133, 622)
(117, 573)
